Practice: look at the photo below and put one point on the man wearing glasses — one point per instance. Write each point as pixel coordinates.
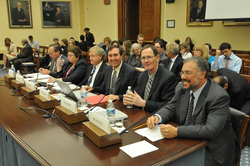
(201, 108)
(155, 86)
(227, 60)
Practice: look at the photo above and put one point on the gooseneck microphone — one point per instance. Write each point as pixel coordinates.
(57, 77)
(123, 131)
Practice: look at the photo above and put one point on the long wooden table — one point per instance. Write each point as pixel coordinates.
(50, 143)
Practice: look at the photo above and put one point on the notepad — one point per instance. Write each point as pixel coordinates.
(152, 134)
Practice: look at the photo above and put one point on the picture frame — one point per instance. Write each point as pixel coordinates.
(19, 13)
(170, 23)
(56, 14)
(107, 2)
(238, 22)
(193, 18)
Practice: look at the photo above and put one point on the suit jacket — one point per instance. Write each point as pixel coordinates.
(27, 54)
(65, 50)
(238, 87)
(51, 66)
(76, 74)
(163, 57)
(211, 120)
(83, 46)
(90, 39)
(60, 17)
(127, 77)
(99, 76)
(162, 89)
(18, 15)
(195, 16)
(177, 66)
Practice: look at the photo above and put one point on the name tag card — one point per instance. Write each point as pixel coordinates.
(30, 85)
(19, 78)
(44, 93)
(69, 104)
(99, 121)
(11, 73)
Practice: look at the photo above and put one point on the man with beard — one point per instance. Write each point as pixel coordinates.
(201, 109)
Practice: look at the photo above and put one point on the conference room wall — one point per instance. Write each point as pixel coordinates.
(237, 36)
(44, 36)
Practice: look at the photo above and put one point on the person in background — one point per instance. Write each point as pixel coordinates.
(59, 16)
(83, 44)
(209, 47)
(185, 50)
(76, 42)
(155, 39)
(10, 49)
(189, 41)
(161, 48)
(126, 47)
(18, 16)
(107, 42)
(201, 50)
(34, 44)
(135, 57)
(89, 37)
(55, 40)
(140, 39)
(71, 43)
(114, 42)
(64, 46)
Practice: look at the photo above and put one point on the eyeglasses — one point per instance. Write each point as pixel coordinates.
(188, 73)
(147, 57)
(70, 55)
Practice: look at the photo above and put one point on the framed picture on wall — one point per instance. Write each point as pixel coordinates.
(19, 12)
(236, 22)
(196, 13)
(56, 14)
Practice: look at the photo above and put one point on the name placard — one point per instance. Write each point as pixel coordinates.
(99, 121)
(30, 85)
(69, 104)
(19, 78)
(44, 93)
(11, 73)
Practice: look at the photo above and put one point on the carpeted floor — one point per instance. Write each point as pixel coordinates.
(3, 72)
(244, 161)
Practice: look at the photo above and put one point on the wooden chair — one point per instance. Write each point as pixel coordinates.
(213, 73)
(246, 70)
(243, 56)
(213, 53)
(247, 63)
(247, 77)
(242, 67)
(28, 65)
(240, 123)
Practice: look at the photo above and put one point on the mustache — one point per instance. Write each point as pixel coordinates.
(184, 80)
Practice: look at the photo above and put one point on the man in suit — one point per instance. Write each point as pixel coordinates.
(118, 76)
(96, 71)
(59, 17)
(201, 109)
(174, 61)
(55, 53)
(156, 84)
(161, 47)
(198, 14)
(25, 56)
(237, 87)
(83, 44)
(18, 16)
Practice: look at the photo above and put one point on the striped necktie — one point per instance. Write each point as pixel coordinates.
(113, 81)
(190, 111)
(92, 73)
(147, 89)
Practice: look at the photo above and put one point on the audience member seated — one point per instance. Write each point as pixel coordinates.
(34, 44)
(10, 49)
(55, 40)
(227, 60)
(107, 42)
(185, 50)
(126, 48)
(135, 57)
(161, 47)
(25, 56)
(83, 44)
(71, 43)
(237, 87)
(156, 85)
(140, 39)
(118, 76)
(174, 61)
(114, 42)
(64, 46)
(120, 41)
(211, 57)
(155, 39)
(96, 71)
(55, 53)
(89, 37)
(201, 109)
(75, 70)
(76, 42)
(201, 50)
(189, 41)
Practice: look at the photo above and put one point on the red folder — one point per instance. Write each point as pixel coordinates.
(95, 99)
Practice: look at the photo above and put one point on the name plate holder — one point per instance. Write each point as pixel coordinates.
(18, 83)
(68, 112)
(46, 102)
(8, 78)
(30, 86)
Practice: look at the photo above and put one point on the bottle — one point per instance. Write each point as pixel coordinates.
(12, 68)
(111, 113)
(18, 72)
(129, 90)
(83, 93)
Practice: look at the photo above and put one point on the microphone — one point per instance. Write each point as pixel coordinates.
(104, 95)
(170, 102)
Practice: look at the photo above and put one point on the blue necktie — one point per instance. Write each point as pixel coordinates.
(92, 73)
(190, 111)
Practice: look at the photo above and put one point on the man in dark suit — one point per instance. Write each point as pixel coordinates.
(96, 71)
(156, 84)
(198, 14)
(237, 87)
(161, 47)
(118, 76)
(83, 44)
(201, 108)
(18, 16)
(174, 62)
(25, 56)
(59, 17)
(55, 53)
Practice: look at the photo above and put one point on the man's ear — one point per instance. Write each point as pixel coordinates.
(225, 86)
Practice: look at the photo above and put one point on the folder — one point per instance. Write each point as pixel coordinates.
(95, 99)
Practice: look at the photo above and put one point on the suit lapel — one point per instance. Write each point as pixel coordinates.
(121, 76)
(156, 81)
(108, 76)
(143, 84)
(184, 106)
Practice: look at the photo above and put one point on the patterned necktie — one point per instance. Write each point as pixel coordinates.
(190, 111)
(227, 59)
(147, 89)
(169, 64)
(113, 81)
(92, 73)
(54, 66)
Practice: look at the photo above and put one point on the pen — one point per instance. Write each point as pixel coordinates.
(140, 126)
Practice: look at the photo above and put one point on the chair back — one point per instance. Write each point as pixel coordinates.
(213, 73)
(247, 77)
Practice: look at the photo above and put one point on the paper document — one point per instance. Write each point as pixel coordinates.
(152, 134)
(138, 148)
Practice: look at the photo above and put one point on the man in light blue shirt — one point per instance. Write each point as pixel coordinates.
(34, 44)
(227, 60)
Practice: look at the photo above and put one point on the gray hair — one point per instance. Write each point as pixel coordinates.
(99, 51)
(133, 47)
(24, 41)
(173, 47)
(18, 3)
(202, 64)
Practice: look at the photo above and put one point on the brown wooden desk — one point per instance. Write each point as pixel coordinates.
(50, 143)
